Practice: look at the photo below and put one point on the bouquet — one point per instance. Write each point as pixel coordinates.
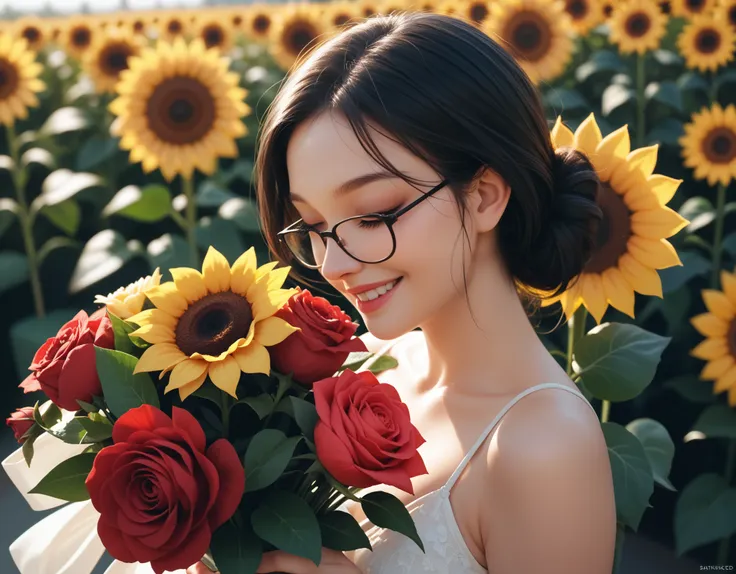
(273, 424)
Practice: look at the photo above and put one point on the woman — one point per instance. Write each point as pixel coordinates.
(426, 121)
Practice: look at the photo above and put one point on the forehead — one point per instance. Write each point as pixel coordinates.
(323, 152)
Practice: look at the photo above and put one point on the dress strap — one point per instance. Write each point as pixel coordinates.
(464, 462)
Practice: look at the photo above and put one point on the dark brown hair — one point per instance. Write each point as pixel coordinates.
(451, 95)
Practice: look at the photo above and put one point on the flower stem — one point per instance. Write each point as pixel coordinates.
(575, 331)
(25, 218)
(725, 543)
(191, 218)
(640, 101)
(718, 235)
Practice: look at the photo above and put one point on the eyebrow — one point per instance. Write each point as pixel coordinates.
(352, 184)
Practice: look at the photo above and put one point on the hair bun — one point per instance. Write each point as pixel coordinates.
(569, 234)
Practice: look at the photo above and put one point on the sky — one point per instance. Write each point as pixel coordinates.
(72, 6)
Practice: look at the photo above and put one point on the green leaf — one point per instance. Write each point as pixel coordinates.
(221, 234)
(242, 212)
(149, 204)
(563, 100)
(618, 361)
(667, 58)
(64, 184)
(65, 215)
(699, 211)
(601, 61)
(262, 405)
(236, 550)
(704, 512)
(27, 447)
(658, 446)
(340, 531)
(65, 120)
(66, 481)
(667, 93)
(97, 430)
(633, 482)
(383, 363)
(15, 269)
(168, 251)
(717, 421)
(8, 213)
(386, 511)
(104, 254)
(691, 388)
(122, 389)
(305, 415)
(692, 81)
(355, 359)
(96, 150)
(39, 156)
(121, 330)
(615, 96)
(88, 408)
(268, 454)
(693, 265)
(286, 521)
(58, 242)
(667, 132)
(210, 194)
(726, 77)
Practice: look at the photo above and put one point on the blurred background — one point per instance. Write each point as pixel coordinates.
(96, 194)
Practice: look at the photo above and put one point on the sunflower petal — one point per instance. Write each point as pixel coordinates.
(167, 298)
(726, 381)
(644, 159)
(155, 333)
(644, 280)
(225, 375)
(618, 291)
(709, 325)
(593, 295)
(243, 272)
(588, 136)
(710, 349)
(190, 283)
(611, 151)
(186, 372)
(154, 316)
(273, 330)
(192, 387)
(253, 359)
(159, 357)
(717, 368)
(728, 283)
(718, 304)
(561, 135)
(216, 271)
(654, 253)
(663, 187)
(657, 223)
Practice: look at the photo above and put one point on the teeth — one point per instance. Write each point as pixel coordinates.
(377, 292)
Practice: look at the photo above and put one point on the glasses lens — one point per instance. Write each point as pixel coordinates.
(368, 239)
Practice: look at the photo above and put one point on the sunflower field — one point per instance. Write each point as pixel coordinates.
(127, 149)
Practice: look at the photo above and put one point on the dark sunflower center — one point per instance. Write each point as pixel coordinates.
(237, 20)
(578, 9)
(298, 37)
(174, 27)
(31, 34)
(8, 78)
(478, 12)
(613, 232)
(665, 7)
(213, 36)
(732, 15)
(81, 37)
(695, 5)
(529, 35)
(138, 26)
(181, 110)
(261, 23)
(707, 41)
(731, 338)
(341, 19)
(209, 326)
(608, 10)
(368, 12)
(638, 24)
(719, 146)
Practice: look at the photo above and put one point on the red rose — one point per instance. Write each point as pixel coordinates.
(160, 492)
(364, 435)
(322, 345)
(20, 421)
(64, 367)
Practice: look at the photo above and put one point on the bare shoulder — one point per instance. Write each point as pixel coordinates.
(551, 501)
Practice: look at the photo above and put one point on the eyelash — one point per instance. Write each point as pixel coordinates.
(362, 223)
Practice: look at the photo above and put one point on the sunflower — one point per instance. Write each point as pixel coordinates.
(128, 301)
(369, 8)
(297, 29)
(236, 19)
(726, 11)
(474, 11)
(172, 26)
(19, 81)
(719, 328)
(631, 241)
(137, 24)
(391, 6)
(426, 5)
(179, 109)
(665, 7)
(214, 34)
(109, 56)
(32, 30)
(536, 33)
(709, 144)
(607, 8)
(585, 14)
(690, 8)
(637, 27)
(340, 15)
(707, 43)
(449, 8)
(77, 36)
(216, 323)
(258, 24)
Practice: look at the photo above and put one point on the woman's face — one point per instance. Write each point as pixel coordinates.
(323, 154)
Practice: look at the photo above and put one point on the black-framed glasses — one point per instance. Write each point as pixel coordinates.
(367, 238)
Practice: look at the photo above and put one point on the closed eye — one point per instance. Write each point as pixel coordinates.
(363, 223)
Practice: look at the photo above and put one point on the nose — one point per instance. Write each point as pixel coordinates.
(336, 262)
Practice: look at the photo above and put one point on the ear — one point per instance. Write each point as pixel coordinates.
(488, 200)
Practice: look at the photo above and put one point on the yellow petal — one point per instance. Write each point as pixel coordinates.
(243, 272)
(155, 333)
(717, 368)
(253, 359)
(644, 159)
(663, 187)
(728, 283)
(273, 330)
(185, 372)
(618, 291)
(277, 277)
(710, 349)
(612, 150)
(166, 298)
(225, 375)
(726, 381)
(266, 303)
(561, 135)
(718, 304)
(654, 253)
(190, 283)
(216, 271)
(189, 388)
(644, 280)
(159, 357)
(588, 136)
(594, 295)
(265, 269)
(657, 223)
(639, 197)
(709, 325)
(154, 317)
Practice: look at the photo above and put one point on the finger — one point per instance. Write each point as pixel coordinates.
(279, 561)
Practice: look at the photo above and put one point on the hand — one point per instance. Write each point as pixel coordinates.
(333, 562)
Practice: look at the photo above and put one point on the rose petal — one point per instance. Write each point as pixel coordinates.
(183, 420)
(78, 378)
(185, 554)
(144, 417)
(231, 473)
